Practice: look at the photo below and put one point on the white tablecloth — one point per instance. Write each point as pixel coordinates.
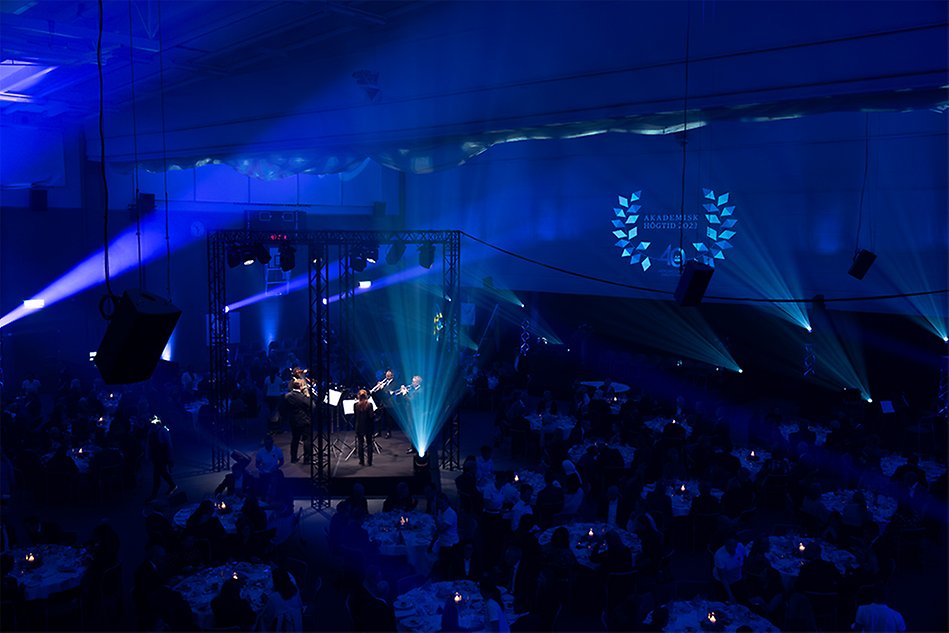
(933, 470)
(583, 545)
(752, 464)
(690, 614)
(202, 587)
(420, 609)
(228, 516)
(578, 451)
(657, 425)
(785, 557)
(681, 501)
(561, 424)
(411, 540)
(881, 507)
(535, 480)
(61, 568)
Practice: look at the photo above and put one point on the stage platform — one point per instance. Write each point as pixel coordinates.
(389, 467)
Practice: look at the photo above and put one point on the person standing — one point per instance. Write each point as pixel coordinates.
(363, 423)
(269, 459)
(159, 452)
(273, 392)
(299, 408)
(384, 390)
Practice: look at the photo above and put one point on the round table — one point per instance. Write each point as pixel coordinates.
(785, 557)
(227, 515)
(578, 451)
(681, 500)
(932, 469)
(881, 507)
(658, 425)
(693, 615)
(59, 568)
(752, 464)
(820, 432)
(420, 609)
(618, 387)
(548, 423)
(402, 534)
(201, 587)
(583, 545)
(535, 480)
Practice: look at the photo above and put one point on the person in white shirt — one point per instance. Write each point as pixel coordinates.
(269, 459)
(485, 467)
(446, 524)
(31, 386)
(728, 563)
(273, 393)
(522, 507)
(877, 616)
(494, 618)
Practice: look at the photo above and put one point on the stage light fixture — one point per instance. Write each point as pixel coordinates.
(357, 261)
(372, 253)
(395, 252)
(248, 255)
(426, 255)
(261, 254)
(288, 257)
(693, 283)
(365, 284)
(233, 256)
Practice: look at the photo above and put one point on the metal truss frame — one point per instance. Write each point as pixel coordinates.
(320, 339)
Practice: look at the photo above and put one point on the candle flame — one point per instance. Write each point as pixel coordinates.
(801, 547)
(457, 597)
(682, 488)
(30, 558)
(234, 576)
(711, 617)
(590, 533)
(516, 478)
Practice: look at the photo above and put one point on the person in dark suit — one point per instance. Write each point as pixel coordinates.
(230, 609)
(817, 574)
(549, 500)
(365, 427)
(237, 482)
(466, 564)
(614, 509)
(401, 500)
(616, 557)
(298, 406)
(369, 612)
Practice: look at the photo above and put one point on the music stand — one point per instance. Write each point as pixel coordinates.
(349, 408)
(333, 399)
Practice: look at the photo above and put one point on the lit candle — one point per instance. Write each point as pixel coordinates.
(673, 421)
(80, 450)
(516, 478)
(457, 597)
(752, 454)
(682, 488)
(223, 506)
(711, 617)
(234, 576)
(590, 533)
(30, 558)
(801, 548)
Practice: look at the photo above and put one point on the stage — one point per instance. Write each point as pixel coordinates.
(389, 466)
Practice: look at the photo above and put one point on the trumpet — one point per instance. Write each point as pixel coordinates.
(379, 385)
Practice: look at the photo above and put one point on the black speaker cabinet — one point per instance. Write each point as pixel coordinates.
(692, 283)
(861, 263)
(135, 338)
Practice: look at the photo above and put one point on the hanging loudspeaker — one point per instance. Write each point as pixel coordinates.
(135, 337)
(861, 263)
(692, 283)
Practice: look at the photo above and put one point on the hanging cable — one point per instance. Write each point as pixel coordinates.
(164, 150)
(863, 187)
(135, 180)
(105, 182)
(620, 284)
(685, 135)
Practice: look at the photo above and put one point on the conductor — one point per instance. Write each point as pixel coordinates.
(299, 408)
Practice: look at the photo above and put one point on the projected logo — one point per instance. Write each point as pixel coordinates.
(637, 229)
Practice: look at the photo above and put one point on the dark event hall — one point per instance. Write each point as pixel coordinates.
(474, 315)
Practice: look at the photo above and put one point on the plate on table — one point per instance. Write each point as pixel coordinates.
(402, 604)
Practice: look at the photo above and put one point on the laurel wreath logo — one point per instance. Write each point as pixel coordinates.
(719, 230)
(625, 229)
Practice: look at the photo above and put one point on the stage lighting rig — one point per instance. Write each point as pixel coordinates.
(261, 254)
(426, 255)
(372, 253)
(357, 261)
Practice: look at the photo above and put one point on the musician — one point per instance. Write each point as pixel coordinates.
(385, 390)
(299, 407)
(363, 422)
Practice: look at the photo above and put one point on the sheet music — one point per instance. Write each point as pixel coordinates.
(349, 406)
(332, 397)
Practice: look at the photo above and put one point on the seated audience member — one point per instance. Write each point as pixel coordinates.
(283, 609)
(369, 608)
(522, 507)
(446, 526)
(728, 563)
(230, 609)
(494, 618)
(573, 495)
(401, 500)
(237, 482)
(203, 524)
(484, 467)
(614, 509)
(357, 499)
(44, 532)
(817, 574)
(549, 499)
(149, 577)
(873, 614)
(557, 566)
(615, 557)
(517, 578)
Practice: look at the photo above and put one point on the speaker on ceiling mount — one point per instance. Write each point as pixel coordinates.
(135, 337)
(692, 283)
(861, 263)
